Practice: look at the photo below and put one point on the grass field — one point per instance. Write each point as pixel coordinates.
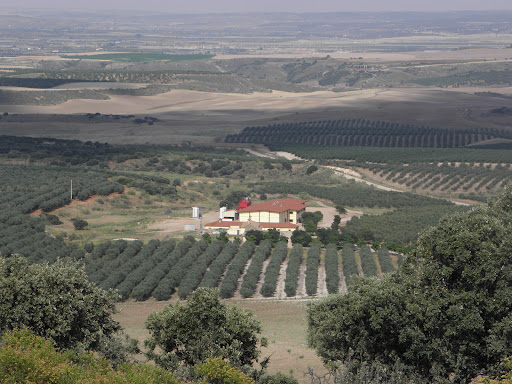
(283, 323)
(140, 57)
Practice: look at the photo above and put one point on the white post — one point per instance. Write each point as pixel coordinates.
(71, 189)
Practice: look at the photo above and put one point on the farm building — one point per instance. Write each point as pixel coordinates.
(280, 214)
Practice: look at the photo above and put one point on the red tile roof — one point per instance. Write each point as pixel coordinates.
(278, 205)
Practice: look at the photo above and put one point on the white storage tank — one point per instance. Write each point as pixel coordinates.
(195, 212)
(221, 213)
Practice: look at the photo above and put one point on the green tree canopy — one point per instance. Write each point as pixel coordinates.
(202, 328)
(57, 302)
(301, 237)
(445, 315)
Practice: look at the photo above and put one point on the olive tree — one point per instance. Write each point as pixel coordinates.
(446, 315)
(202, 328)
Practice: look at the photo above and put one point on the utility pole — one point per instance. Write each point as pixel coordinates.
(71, 189)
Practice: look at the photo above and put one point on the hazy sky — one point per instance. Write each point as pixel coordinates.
(265, 5)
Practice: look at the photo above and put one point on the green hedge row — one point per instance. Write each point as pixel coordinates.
(293, 269)
(253, 273)
(162, 251)
(274, 266)
(196, 272)
(332, 277)
(212, 277)
(235, 270)
(144, 289)
(312, 263)
(386, 266)
(172, 279)
(367, 262)
(348, 260)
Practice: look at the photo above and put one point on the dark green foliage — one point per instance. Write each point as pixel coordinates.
(336, 222)
(364, 133)
(51, 219)
(151, 280)
(315, 217)
(132, 258)
(253, 273)
(386, 265)
(172, 279)
(367, 262)
(273, 268)
(446, 176)
(235, 270)
(274, 236)
(154, 253)
(328, 236)
(56, 301)
(312, 263)
(397, 155)
(332, 277)
(356, 195)
(400, 226)
(89, 247)
(65, 150)
(110, 254)
(232, 199)
(293, 269)
(311, 169)
(445, 315)
(254, 236)
(108, 275)
(202, 328)
(348, 258)
(218, 266)
(195, 273)
(301, 237)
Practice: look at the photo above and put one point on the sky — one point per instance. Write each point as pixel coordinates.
(199, 6)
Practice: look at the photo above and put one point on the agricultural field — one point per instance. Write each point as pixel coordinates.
(121, 192)
(364, 133)
(139, 57)
(383, 127)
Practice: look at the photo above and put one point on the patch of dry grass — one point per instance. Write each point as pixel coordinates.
(283, 323)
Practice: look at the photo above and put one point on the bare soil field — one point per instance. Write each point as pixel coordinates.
(205, 118)
(383, 57)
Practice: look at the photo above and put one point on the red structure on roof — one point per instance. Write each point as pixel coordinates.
(244, 203)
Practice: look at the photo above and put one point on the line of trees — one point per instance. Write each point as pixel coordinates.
(214, 274)
(236, 268)
(273, 268)
(253, 273)
(312, 263)
(195, 273)
(332, 277)
(293, 269)
(167, 286)
(364, 133)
